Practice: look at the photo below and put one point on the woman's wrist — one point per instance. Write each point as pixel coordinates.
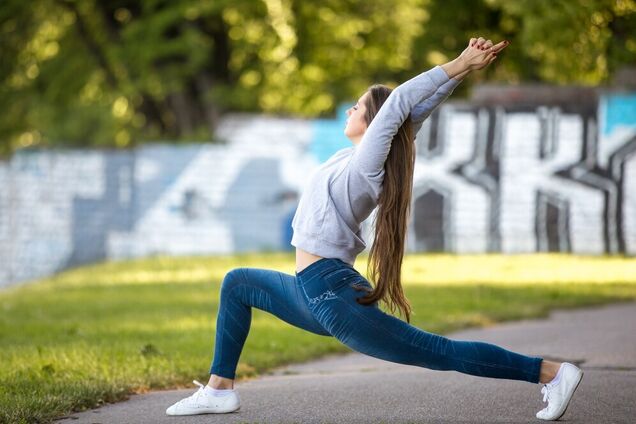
(461, 76)
(456, 68)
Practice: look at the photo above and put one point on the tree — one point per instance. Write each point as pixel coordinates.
(116, 73)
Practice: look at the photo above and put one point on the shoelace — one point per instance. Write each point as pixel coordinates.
(545, 390)
(195, 395)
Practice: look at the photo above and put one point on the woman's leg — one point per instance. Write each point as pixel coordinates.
(369, 330)
(242, 289)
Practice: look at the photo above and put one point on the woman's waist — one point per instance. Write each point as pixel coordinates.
(304, 259)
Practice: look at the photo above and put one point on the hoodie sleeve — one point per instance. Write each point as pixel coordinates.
(372, 151)
(424, 109)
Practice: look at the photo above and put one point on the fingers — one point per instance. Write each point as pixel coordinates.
(499, 46)
(485, 47)
(481, 52)
(492, 52)
(484, 44)
(475, 41)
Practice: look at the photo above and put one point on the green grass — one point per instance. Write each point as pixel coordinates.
(96, 334)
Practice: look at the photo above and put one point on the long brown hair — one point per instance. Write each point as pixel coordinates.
(391, 219)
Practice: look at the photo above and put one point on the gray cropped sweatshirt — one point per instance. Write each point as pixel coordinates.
(345, 189)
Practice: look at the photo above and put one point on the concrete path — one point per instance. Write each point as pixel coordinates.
(354, 388)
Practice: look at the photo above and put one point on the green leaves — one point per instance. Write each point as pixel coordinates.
(68, 66)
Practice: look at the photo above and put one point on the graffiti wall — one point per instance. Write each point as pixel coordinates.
(514, 181)
(487, 179)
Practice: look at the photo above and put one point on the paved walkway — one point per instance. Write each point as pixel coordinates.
(354, 388)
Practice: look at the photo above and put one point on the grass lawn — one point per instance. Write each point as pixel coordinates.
(96, 334)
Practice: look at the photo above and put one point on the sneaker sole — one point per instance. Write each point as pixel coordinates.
(204, 411)
(571, 394)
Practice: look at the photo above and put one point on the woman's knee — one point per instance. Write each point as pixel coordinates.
(231, 280)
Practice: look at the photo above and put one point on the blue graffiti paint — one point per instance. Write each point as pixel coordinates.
(328, 135)
(287, 231)
(170, 163)
(618, 110)
(253, 203)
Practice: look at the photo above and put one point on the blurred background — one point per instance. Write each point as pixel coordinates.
(137, 128)
(148, 147)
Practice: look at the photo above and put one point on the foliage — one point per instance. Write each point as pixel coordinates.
(113, 74)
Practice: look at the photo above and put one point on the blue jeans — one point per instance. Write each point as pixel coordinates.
(321, 299)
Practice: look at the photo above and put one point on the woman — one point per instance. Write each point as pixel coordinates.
(323, 296)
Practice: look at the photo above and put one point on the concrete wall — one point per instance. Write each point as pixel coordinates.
(487, 179)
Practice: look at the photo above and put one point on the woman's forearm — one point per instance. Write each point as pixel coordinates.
(456, 68)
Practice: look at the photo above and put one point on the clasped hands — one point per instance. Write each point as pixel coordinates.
(477, 55)
(481, 52)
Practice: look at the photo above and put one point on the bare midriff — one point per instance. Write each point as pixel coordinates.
(304, 259)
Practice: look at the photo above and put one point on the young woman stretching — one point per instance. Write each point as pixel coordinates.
(327, 296)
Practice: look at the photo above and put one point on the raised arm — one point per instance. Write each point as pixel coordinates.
(374, 147)
(423, 110)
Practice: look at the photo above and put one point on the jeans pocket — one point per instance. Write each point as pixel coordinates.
(331, 273)
(345, 280)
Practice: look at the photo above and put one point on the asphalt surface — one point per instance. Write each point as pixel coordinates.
(354, 388)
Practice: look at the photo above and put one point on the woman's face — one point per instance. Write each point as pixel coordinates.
(356, 125)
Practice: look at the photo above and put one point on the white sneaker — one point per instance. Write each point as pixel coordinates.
(203, 403)
(558, 395)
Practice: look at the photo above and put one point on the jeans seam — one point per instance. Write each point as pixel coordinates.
(378, 325)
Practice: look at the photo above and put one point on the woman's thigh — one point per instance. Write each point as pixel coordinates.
(369, 330)
(275, 292)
